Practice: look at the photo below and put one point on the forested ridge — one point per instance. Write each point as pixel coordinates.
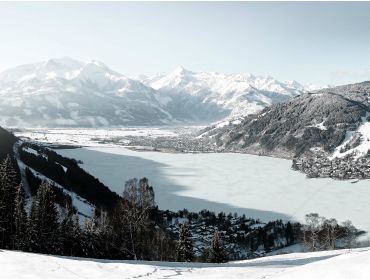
(67, 173)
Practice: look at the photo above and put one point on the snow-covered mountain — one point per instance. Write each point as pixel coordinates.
(329, 119)
(326, 132)
(67, 92)
(239, 94)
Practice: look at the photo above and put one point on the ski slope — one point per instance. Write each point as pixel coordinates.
(341, 264)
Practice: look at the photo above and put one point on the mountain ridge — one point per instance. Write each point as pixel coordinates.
(66, 92)
(326, 133)
(242, 94)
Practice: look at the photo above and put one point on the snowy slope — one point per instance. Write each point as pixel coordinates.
(341, 264)
(240, 94)
(83, 207)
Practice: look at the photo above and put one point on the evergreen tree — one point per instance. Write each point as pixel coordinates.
(104, 235)
(8, 185)
(98, 237)
(185, 245)
(70, 232)
(289, 234)
(20, 221)
(90, 240)
(43, 222)
(216, 253)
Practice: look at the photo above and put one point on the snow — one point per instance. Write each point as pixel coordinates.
(260, 187)
(320, 125)
(31, 151)
(85, 208)
(54, 102)
(92, 86)
(363, 148)
(28, 112)
(27, 77)
(51, 75)
(64, 121)
(241, 93)
(181, 96)
(257, 226)
(341, 264)
(92, 137)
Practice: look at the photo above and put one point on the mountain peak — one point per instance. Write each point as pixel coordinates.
(181, 70)
(65, 61)
(96, 63)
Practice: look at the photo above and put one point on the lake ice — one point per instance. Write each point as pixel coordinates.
(260, 187)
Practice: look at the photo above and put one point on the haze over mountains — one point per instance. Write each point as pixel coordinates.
(68, 93)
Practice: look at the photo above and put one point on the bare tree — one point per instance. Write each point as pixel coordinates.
(311, 231)
(330, 232)
(349, 235)
(132, 215)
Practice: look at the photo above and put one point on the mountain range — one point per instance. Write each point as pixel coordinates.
(66, 92)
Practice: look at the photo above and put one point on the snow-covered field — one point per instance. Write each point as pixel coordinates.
(342, 264)
(260, 187)
(93, 137)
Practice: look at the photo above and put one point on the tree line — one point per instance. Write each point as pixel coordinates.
(67, 173)
(320, 233)
(129, 230)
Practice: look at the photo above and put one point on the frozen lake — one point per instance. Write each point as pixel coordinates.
(259, 187)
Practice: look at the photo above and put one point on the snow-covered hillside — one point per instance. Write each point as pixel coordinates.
(341, 264)
(68, 93)
(84, 208)
(240, 93)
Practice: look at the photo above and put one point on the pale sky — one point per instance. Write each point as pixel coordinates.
(311, 42)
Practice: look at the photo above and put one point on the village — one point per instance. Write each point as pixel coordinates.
(242, 237)
(318, 164)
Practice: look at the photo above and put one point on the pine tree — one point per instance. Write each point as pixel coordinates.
(43, 222)
(90, 239)
(216, 253)
(289, 234)
(8, 185)
(185, 245)
(20, 221)
(98, 237)
(70, 232)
